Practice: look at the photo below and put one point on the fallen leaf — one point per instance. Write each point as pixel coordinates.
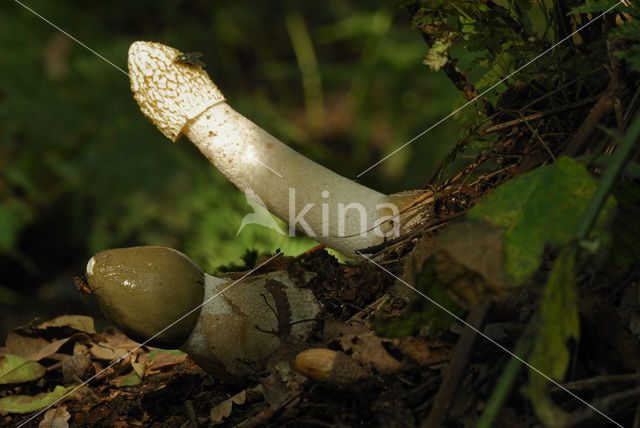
(424, 351)
(415, 260)
(77, 322)
(369, 350)
(105, 352)
(139, 368)
(542, 206)
(21, 341)
(32, 403)
(223, 410)
(114, 346)
(50, 349)
(335, 329)
(469, 262)
(15, 369)
(22, 345)
(161, 359)
(274, 390)
(78, 366)
(116, 338)
(55, 417)
(130, 379)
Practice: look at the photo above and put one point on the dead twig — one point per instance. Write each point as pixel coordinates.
(596, 113)
(534, 132)
(191, 412)
(456, 366)
(598, 382)
(604, 403)
(535, 116)
(605, 104)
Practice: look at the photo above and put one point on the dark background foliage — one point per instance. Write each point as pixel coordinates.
(82, 170)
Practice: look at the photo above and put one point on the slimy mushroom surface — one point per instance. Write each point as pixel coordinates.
(144, 289)
(181, 99)
(234, 325)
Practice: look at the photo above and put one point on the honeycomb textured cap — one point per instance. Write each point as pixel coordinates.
(169, 93)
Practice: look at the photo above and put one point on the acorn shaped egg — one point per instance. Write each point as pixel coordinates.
(142, 290)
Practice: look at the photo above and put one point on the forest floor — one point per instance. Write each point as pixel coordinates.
(394, 381)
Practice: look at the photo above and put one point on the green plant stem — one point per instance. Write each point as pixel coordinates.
(308, 64)
(620, 159)
(506, 381)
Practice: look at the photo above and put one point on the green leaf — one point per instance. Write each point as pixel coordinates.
(153, 354)
(19, 177)
(543, 206)
(15, 369)
(9, 228)
(559, 323)
(28, 403)
(594, 6)
(131, 380)
(500, 66)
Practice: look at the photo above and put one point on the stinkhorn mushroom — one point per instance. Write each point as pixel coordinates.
(179, 98)
(158, 293)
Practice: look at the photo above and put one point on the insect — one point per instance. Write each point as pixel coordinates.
(81, 284)
(190, 58)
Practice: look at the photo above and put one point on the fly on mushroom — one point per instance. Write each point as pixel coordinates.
(190, 58)
(83, 288)
(81, 284)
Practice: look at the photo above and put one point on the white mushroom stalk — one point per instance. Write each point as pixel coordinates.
(229, 328)
(179, 98)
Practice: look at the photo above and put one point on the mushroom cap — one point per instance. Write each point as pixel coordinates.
(143, 290)
(169, 92)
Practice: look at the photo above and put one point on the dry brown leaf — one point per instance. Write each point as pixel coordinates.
(469, 261)
(106, 352)
(424, 351)
(24, 346)
(274, 390)
(373, 351)
(223, 410)
(77, 366)
(53, 347)
(369, 350)
(50, 349)
(118, 339)
(139, 368)
(55, 417)
(77, 322)
(335, 329)
(414, 262)
(164, 360)
(115, 345)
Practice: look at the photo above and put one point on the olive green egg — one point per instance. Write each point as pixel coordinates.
(144, 290)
